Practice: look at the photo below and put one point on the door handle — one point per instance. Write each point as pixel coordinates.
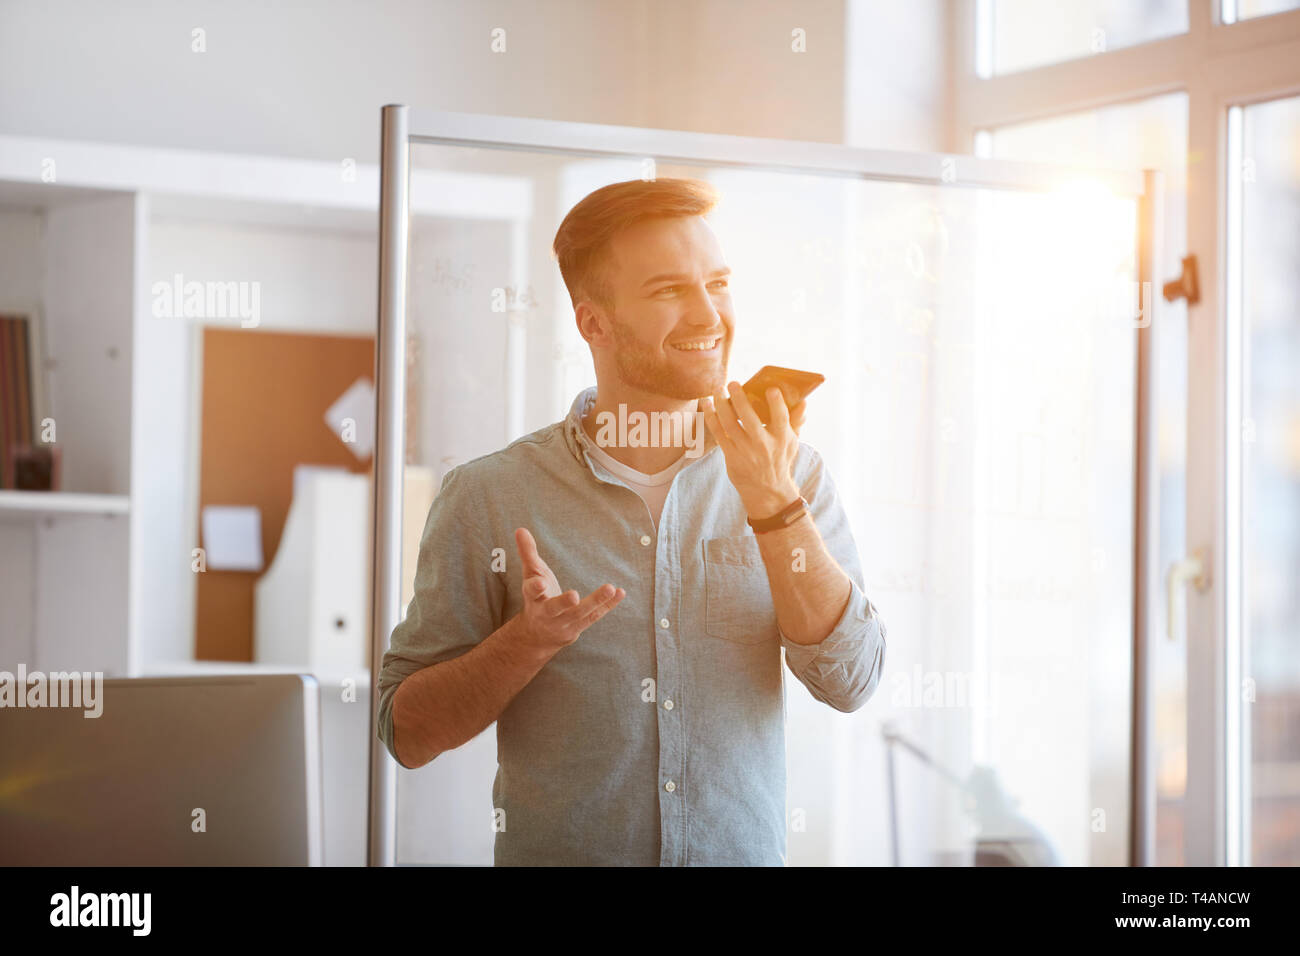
(1191, 568)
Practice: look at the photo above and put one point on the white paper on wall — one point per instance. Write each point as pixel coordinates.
(232, 537)
(352, 418)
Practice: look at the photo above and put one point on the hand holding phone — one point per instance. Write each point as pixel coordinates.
(794, 384)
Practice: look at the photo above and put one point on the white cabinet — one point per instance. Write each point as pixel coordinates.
(64, 587)
(312, 606)
(100, 575)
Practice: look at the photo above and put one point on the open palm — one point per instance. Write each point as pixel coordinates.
(554, 618)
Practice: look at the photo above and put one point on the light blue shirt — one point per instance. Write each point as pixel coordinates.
(658, 736)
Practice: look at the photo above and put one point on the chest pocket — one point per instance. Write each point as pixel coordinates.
(737, 599)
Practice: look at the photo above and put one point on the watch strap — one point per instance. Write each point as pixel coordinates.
(783, 518)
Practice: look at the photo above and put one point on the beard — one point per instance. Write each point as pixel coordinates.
(648, 369)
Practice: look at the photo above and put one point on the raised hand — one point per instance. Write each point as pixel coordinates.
(759, 459)
(553, 619)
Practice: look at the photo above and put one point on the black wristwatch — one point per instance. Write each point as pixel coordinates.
(782, 519)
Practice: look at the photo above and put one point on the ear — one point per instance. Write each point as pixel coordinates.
(592, 323)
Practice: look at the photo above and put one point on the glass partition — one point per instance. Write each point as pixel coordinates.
(977, 418)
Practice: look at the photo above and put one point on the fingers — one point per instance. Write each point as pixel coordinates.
(584, 613)
(777, 413)
(797, 416)
(587, 616)
(532, 561)
(535, 588)
(711, 421)
(564, 610)
(744, 410)
(725, 417)
(554, 607)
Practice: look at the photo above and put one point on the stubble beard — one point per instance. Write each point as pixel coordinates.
(650, 371)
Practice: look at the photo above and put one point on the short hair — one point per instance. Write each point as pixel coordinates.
(582, 242)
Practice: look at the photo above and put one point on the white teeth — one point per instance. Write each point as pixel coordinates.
(697, 346)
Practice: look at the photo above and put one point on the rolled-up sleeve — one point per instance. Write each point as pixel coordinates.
(845, 668)
(456, 602)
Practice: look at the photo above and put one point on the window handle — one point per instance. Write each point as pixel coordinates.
(1186, 285)
(1180, 572)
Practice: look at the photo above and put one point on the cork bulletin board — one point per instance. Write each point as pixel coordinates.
(264, 397)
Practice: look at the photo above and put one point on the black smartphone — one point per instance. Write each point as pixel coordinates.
(794, 384)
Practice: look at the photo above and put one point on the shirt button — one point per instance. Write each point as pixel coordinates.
(668, 704)
(670, 786)
(645, 540)
(663, 622)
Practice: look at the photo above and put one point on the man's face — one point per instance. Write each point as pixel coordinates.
(672, 314)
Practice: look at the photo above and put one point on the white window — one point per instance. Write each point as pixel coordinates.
(1208, 91)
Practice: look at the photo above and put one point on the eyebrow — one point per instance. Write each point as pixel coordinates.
(678, 276)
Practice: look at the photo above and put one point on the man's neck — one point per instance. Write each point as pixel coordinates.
(613, 430)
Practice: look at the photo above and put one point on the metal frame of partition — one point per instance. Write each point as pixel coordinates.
(402, 127)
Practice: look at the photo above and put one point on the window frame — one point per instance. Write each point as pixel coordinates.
(1219, 66)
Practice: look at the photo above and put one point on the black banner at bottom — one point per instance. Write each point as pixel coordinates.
(929, 905)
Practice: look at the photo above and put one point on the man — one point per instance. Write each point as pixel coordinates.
(643, 724)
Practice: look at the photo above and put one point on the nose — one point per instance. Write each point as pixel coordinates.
(701, 310)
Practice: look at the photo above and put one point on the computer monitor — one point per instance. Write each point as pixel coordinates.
(211, 771)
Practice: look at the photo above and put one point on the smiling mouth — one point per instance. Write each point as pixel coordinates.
(698, 345)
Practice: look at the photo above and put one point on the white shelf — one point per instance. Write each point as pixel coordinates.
(38, 503)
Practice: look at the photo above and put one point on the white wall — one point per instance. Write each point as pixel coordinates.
(896, 84)
(308, 79)
(324, 282)
(20, 259)
(302, 79)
